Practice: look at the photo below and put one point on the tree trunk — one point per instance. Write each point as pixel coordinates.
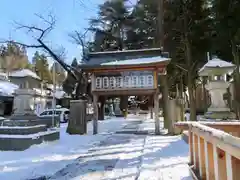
(101, 109)
(192, 100)
(124, 103)
(165, 101)
(205, 101)
(190, 81)
(236, 79)
(181, 97)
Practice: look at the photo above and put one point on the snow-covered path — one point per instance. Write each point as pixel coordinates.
(131, 157)
(107, 156)
(101, 161)
(48, 158)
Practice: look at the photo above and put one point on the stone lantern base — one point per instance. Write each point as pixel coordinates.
(218, 109)
(220, 115)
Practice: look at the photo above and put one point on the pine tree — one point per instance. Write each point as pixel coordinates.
(69, 83)
(41, 67)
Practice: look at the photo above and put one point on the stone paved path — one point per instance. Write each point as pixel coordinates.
(102, 161)
(106, 160)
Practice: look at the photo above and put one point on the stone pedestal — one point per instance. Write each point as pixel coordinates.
(77, 118)
(218, 108)
(23, 105)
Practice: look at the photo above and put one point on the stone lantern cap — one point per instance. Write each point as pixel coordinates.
(216, 67)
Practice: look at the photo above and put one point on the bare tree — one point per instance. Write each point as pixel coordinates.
(39, 34)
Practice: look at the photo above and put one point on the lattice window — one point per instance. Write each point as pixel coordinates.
(112, 82)
(105, 82)
(134, 81)
(127, 81)
(98, 83)
(119, 82)
(149, 80)
(141, 81)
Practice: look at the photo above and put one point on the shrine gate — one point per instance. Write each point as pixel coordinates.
(128, 73)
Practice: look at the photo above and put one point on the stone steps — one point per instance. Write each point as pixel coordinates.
(19, 135)
(22, 130)
(18, 142)
(39, 121)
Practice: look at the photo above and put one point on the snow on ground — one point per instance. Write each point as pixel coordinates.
(165, 158)
(107, 156)
(47, 158)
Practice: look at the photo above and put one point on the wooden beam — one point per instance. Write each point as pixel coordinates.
(129, 92)
(226, 146)
(229, 166)
(95, 113)
(161, 68)
(190, 142)
(206, 159)
(210, 161)
(156, 110)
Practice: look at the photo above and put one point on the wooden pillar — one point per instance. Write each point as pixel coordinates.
(229, 166)
(95, 114)
(190, 142)
(235, 168)
(206, 159)
(196, 152)
(215, 160)
(156, 111)
(202, 159)
(222, 166)
(211, 174)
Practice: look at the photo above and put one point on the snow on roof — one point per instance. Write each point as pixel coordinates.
(217, 63)
(7, 88)
(24, 73)
(137, 61)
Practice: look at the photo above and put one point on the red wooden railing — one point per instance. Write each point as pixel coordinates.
(214, 149)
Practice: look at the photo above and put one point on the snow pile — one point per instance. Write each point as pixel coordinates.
(24, 73)
(7, 88)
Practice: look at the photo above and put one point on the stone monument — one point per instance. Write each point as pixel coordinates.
(216, 71)
(77, 118)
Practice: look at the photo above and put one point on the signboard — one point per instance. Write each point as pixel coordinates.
(125, 80)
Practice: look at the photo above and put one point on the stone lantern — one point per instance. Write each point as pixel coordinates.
(216, 70)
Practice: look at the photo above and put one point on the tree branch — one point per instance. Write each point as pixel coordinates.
(43, 32)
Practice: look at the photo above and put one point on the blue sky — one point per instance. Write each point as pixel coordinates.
(70, 15)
